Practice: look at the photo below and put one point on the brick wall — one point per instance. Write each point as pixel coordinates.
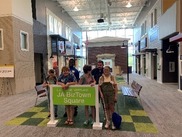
(120, 59)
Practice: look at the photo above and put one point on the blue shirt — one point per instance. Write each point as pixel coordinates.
(66, 79)
(75, 72)
(97, 73)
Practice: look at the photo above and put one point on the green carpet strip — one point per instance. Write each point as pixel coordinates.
(134, 118)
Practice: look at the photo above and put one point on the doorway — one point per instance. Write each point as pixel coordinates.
(39, 76)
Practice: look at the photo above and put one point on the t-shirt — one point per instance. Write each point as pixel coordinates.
(86, 80)
(110, 79)
(75, 72)
(97, 73)
(65, 79)
(51, 80)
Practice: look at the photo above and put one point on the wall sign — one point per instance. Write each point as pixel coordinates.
(7, 71)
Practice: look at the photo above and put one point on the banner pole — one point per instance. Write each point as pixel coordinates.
(52, 122)
(97, 125)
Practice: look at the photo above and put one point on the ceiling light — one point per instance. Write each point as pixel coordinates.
(129, 5)
(123, 26)
(125, 20)
(75, 8)
(86, 22)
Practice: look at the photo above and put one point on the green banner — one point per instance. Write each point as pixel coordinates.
(76, 95)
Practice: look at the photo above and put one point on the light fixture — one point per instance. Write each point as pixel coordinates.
(86, 22)
(101, 19)
(75, 8)
(123, 46)
(125, 20)
(90, 28)
(128, 5)
(123, 26)
(77, 47)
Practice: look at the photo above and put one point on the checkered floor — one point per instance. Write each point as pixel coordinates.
(134, 118)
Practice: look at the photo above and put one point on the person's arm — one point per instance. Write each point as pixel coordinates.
(94, 82)
(115, 89)
(99, 88)
(61, 83)
(72, 82)
(45, 84)
(80, 82)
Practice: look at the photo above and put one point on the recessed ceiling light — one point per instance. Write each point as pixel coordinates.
(75, 8)
(129, 5)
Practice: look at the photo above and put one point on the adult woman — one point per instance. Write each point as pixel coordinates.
(108, 90)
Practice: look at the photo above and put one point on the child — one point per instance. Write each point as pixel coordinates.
(108, 91)
(51, 79)
(87, 78)
(65, 80)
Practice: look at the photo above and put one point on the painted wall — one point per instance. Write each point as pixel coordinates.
(6, 8)
(16, 16)
(18, 8)
(22, 9)
(153, 39)
(167, 22)
(166, 4)
(42, 41)
(41, 6)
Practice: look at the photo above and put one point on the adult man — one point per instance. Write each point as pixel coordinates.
(73, 69)
(98, 71)
(76, 73)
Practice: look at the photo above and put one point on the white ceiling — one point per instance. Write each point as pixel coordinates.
(114, 12)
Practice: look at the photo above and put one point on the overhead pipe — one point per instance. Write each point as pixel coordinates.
(107, 4)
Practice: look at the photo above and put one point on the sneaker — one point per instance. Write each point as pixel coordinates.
(86, 122)
(107, 124)
(113, 127)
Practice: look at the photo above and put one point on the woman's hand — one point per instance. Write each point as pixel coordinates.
(115, 99)
(92, 84)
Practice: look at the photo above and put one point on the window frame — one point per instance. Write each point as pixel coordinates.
(27, 41)
(1, 37)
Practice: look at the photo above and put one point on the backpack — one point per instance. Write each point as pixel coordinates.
(116, 119)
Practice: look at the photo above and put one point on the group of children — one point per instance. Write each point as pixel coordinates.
(107, 89)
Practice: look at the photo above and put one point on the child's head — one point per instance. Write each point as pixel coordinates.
(87, 68)
(65, 71)
(51, 72)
